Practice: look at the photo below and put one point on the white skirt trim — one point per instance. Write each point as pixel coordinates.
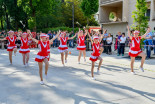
(12, 47)
(24, 49)
(81, 46)
(94, 57)
(62, 46)
(41, 57)
(61, 51)
(134, 52)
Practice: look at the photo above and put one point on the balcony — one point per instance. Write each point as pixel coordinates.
(106, 2)
(116, 8)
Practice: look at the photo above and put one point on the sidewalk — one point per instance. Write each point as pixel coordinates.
(72, 84)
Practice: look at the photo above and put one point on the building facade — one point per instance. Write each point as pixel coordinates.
(122, 11)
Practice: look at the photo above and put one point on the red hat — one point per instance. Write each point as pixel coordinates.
(96, 37)
(136, 32)
(25, 33)
(62, 33)
(11, 31)
(43, 35)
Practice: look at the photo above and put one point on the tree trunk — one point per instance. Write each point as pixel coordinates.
(16, 20)
(2, 24)
(33, 15)
(7, 18)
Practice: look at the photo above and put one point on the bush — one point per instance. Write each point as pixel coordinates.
(57, 29)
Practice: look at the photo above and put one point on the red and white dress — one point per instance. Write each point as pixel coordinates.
(11, 44)
(81, 44)
(96, 54)
(48, 47)
(63, 45)
(24, 46)
(135, 48)
(42, 54)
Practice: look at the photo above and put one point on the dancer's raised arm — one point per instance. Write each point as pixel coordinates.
(147, 32)
(73, 36)
(90, 38)
(33, 39)
(129, 33)
(101, 36)
(51, 41)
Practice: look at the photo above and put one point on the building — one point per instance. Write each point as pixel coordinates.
(122, 13)
(96, 16)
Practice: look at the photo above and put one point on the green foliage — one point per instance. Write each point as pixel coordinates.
(89, 7)
(140, 20)
(45, 30)
(40, 14)
(111, 16)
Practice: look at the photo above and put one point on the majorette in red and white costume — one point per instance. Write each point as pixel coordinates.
(96, 51)
(48, 46)
(42, 54)
(135, 48)
(11, 44)
(24, 45)
(81, 44)
(63, 44)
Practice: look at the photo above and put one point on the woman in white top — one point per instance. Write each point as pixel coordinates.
(109, 43)
(122, 44)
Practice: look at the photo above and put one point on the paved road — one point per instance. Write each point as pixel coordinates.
(72, 84)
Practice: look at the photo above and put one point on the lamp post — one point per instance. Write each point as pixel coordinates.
(72, 13)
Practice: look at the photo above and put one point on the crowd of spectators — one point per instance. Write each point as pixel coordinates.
(119, 41)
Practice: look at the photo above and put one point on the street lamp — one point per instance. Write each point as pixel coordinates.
(72, 13)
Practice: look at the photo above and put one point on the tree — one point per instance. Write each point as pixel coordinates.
(89, 7)
(139, 16)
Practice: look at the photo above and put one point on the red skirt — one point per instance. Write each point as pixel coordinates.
(62, 49)
(24, 51)
(10, 48)
(41, 58)
(81, 47)
(94, 58)
(133, 53)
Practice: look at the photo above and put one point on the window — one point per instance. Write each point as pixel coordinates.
(148, 13)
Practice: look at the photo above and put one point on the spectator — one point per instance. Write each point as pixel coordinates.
(55, 42)
(153, 36)
(49, 34)
(38, 36)
(109, 43)
(105, 41)
(71, 42)
(122, 44)
(118, 44)
(148, 43)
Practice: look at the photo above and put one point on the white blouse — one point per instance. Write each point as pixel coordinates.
(122, 39)
(109, 40)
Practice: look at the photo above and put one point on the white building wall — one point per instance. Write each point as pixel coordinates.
(128, 7)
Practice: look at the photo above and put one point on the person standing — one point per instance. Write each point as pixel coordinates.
(49, 34)
(55, 41)
(148, 43)
(118, 47)
(105, 42)
(71, 42)
(153, 36)
(109, 43)
(122, 44)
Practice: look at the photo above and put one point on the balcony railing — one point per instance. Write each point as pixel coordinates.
(108, 1)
